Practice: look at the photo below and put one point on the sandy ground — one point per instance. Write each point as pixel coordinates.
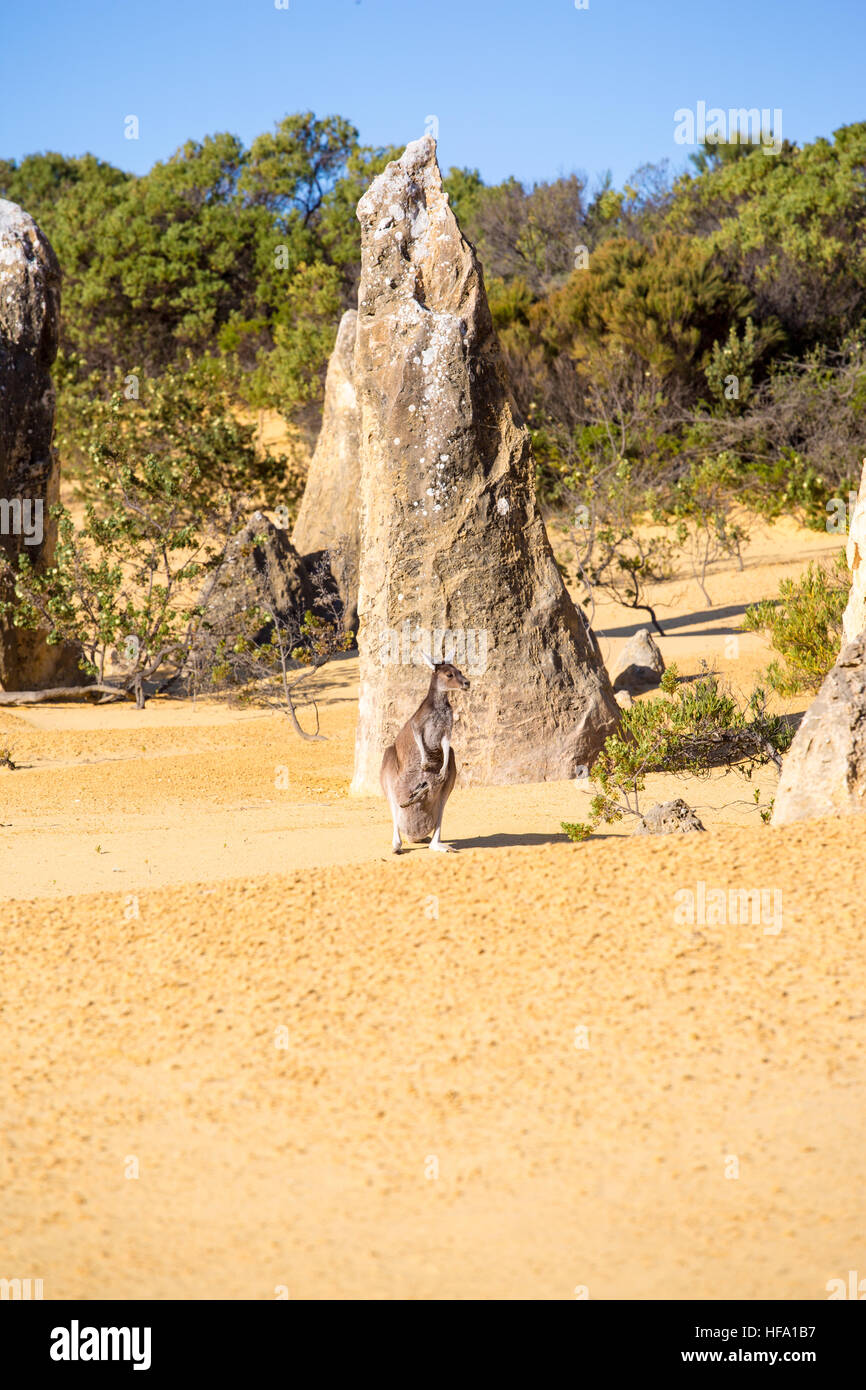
(514, 1072)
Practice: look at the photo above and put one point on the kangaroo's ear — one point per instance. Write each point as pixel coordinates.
(430, 662)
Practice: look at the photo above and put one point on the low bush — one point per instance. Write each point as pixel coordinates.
(687, 731)
(805, 625)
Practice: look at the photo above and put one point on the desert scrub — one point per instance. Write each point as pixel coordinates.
(805, 625)
(688, 731)
(185, 418)
(705, 527)
(124, 586)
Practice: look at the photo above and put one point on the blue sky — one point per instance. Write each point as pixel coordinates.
(534, 89)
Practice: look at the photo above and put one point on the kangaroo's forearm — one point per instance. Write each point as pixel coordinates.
(446, 750)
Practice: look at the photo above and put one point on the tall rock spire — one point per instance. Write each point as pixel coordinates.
(454, 554)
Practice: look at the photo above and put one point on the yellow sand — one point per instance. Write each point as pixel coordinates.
(351, 1075)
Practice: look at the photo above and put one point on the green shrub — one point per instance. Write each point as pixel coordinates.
(698, 728)
(187, 419)
(805, 625)
(124, 587)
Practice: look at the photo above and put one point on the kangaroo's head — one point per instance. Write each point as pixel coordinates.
(447, 677)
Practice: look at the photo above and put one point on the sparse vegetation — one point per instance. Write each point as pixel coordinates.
(124, 586)
(706, 528)
(186, 418)
(805, 625)
(688, 731)
(272, 669)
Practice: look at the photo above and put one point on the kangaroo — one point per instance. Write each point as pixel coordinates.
(419, 768)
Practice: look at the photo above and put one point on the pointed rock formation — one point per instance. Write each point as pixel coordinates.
(454, 554)
(854, 617)
(29, 471)
(263, 570)
(824, 770)
(328, 516)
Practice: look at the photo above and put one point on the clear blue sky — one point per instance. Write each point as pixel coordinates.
(530, 87)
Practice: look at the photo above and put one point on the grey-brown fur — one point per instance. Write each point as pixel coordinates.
(419, 768)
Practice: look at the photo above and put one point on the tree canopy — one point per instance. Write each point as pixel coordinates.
(640, 304)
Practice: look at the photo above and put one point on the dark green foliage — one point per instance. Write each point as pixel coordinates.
(184, 419)
(250, 254)
(723, 315)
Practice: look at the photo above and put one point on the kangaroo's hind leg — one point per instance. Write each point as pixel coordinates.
(445, 792)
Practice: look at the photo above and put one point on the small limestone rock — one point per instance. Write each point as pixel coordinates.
(854, 617)
(624, 699)
(669, 818)
(639, 666)
(328, 519)
(824, 770)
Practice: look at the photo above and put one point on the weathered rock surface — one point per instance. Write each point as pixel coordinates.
(639, 666)
(262, 569)
(669, 818)
(29, 470)
(854, 617)
(624, 699)
(328, 518)
(824, 770)
(454, 554)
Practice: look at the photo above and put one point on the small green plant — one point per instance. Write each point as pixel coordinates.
(805, 625)
(766, 812)
(730, 369)
(700, 726)
(670, 678)
(624, 564)
(578, 831)
(612, 553)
